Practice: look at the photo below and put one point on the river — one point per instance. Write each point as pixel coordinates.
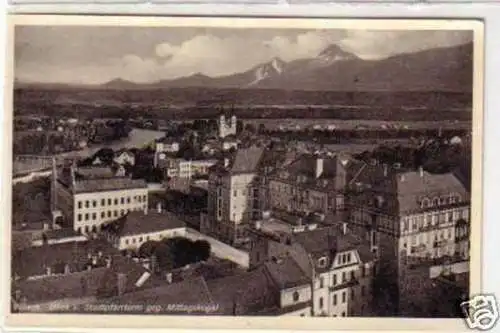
(137, 138)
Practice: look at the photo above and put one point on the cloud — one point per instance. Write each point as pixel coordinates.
(212, 53)
(382, 44)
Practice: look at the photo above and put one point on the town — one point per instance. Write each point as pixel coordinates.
(229, 216)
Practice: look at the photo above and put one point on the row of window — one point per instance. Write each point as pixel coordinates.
(344, 277)
(115, 201)
(93, 216)
(451, 199)
(422, 221)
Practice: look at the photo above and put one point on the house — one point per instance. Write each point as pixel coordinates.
(181, 168)
(407, 215)
(165, 147)
(88, 197)
(136, 228)
(233, 197)
(309, 184)
(124, 157)
(229, 142)
(339, 263)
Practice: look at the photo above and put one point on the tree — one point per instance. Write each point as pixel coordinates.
(148, 248)
(202, 250)
(250, 128)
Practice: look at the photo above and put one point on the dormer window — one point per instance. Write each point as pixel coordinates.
(322, 262)
(425, 203)
(435, 202)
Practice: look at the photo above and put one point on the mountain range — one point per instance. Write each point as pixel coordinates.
(334, 69)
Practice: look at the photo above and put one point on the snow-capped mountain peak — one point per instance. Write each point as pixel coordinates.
(274, 67)
(334, 53)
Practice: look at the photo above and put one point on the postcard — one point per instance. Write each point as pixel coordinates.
(264, 173)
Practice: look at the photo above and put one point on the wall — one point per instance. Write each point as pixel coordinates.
(304, 293)
(134, 242)
(221, 250)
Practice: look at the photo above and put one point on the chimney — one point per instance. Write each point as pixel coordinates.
(344, 228)
(121, 283)
(67, 269)
(158, 207)
(421, 171)
(266, 215)
(385, 170)
(45, 226)
(49, 270)
(169, 277)
(319, 167)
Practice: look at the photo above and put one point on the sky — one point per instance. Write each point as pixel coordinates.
(96, 55)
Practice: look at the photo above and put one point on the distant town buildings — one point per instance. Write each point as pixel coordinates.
(226, 125)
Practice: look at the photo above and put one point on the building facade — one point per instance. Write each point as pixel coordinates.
(233, 196)
(87, 204)
(411, 215)
(309, 184)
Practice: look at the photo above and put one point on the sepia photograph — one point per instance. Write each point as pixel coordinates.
(244, 168)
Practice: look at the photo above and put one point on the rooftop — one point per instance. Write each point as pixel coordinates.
(137, 223)
(286, 273)
(99, 282)
(247, 160)
(33, 261)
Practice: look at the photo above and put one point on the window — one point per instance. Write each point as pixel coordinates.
(321, 282)
(79, 231)
(109, 202)
(116, 201)
(109, 213)
(86, 229)
(94, 216)
(126, 241)
(343, 297)
(343, 314)
(352, 294)
(86, 216)
(343, 277)
(122, 200)
(79, 217)
(295, 296)
(425, 203)
(334, 279)
(103, 202)
(128, 199)
(144, 198)
(79, 204)
(122, 212)
(115, 213)
(334, 299)
(140, 239)
(353, 276)
(362, 290)
(321, 302)
(103, 215)
(363, 271)
(133, 240)
(94, 203)
(235, 193)
(86, 204)
(348, 258)
(322, 262)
